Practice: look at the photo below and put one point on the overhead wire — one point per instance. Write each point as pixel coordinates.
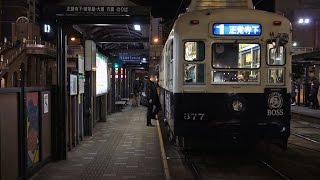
(176, 14)
(257, 3)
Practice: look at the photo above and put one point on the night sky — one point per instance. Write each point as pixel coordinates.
(167, 9)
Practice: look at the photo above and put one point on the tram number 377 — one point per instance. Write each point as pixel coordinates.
(194, 116)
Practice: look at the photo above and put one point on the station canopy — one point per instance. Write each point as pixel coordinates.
(118, 27)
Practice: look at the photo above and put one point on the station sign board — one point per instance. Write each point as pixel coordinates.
(130, 57)
(80, 10)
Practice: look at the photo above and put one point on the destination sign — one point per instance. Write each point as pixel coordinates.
(230, 29)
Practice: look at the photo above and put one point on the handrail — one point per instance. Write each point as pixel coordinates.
(6, 61)
(301, 50)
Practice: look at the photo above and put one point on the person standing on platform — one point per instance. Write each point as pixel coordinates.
(153, 98)
(294, 89)
(314, 93)
(137, 87)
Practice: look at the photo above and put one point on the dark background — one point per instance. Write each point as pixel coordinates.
(168, 9)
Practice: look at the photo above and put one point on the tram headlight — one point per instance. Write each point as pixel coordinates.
(237, 105)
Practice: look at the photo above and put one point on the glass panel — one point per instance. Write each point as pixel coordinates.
(194, 51)
(194, 73)
(231, 55)
(274, 57)
(276, 75)
(235, 77)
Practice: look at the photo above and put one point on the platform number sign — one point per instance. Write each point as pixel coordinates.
(47, 31)
(47, 28)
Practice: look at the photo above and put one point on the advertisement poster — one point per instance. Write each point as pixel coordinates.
(81, 84)
(101, 74)
(32, 115)
(45, 103)
(80, 64)
(73, 84)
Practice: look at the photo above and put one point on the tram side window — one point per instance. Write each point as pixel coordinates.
(194, 51)
(274, 57)
(194, 73)
(235, 77)
(169, 61)
(276, 76)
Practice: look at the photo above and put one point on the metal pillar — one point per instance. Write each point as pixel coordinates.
(306, 85)
(60, 132)
(88, 115)
(317, 35)
(123, 89)
(127, 84)
(113, 90)
(118, 84)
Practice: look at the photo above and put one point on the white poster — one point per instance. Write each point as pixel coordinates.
(73, 84)
(101, 74)
(81, 84)
(80, 64)
(45, 103)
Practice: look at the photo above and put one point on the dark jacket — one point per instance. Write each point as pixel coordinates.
(294, 86)
(314, 87)
(151, 91)
(137, 86)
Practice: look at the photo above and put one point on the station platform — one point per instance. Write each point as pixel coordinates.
(123, 147)
(306, 113)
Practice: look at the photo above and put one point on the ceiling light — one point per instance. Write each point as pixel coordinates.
(137, 27)
(73, 39)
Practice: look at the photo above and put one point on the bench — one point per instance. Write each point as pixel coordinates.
(119, 105)
(125, 99)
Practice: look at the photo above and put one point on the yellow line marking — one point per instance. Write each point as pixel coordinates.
(163, 154)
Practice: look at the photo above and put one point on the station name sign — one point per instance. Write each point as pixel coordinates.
(101, 10)
(233, 29)
(130, 57)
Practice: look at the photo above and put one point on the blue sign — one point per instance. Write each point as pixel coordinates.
(237, 29)
(130, 57)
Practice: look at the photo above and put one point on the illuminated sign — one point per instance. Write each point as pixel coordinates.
(47, 28)
(100, 10)
(237, 29)
(102, 75)
(131, 57)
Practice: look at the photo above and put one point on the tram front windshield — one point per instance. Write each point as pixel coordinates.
(243, 59)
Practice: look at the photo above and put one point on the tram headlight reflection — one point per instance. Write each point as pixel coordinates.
(237, 105)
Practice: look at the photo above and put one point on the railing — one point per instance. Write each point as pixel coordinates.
(5, 46)
(41, 44)
(5, 61)
(301, 50)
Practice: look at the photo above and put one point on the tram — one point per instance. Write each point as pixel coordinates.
(225, 75)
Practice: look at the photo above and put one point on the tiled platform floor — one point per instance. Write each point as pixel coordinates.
(121, 148)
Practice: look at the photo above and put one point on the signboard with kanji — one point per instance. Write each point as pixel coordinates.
(101, 10)
(131, 57)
